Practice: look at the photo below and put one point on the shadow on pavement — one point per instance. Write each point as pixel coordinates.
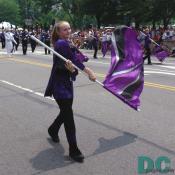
(127, 138)
(110, 144)
(51, 158)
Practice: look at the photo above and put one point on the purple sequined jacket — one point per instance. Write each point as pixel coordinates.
(60, 84)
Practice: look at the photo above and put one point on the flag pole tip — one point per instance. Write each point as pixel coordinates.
(138, 109)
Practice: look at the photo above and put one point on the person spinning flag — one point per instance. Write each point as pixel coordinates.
(159, 51)
(125, 77)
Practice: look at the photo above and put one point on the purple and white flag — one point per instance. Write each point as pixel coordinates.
(125, 77)
(160, 53)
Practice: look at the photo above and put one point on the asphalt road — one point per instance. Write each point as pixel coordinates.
(110, 134)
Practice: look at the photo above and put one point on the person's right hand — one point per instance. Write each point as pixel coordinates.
(90, 73)
(92, 76)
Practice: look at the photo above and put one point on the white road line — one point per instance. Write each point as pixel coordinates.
(162, 70)
(159, 72)
(98, 62)
(25, 89)
(153, 70)
(169, 67)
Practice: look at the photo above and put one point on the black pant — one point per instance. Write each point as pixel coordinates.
(3, 44)
(16, 45)
(33, 46)
(46, 50)
(66, 117)
(95, 50)
(24, 48)
(147, 55)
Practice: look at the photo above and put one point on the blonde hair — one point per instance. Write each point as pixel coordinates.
(56, 28)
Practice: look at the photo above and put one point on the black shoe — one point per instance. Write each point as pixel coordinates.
(53, 135)
(76, 155)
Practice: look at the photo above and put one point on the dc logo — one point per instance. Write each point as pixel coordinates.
(147, 165)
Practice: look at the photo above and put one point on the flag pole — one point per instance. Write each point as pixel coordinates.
(60, 56)
(63, 58)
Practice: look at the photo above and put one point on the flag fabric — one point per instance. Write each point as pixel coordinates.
(80, 56)
(125, 77)
(160, 53)
(77, 53)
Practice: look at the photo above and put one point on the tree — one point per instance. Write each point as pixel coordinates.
(81, 12)
(28, 10)
(45, 6)
(135, 11)
(71, 11)
(9, 11)
(147, 11)
(104, 10)
(164, 10)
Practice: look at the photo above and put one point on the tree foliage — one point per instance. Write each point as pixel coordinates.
(81, 13)
(163, 10)
(9, 11)
(104, 10)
